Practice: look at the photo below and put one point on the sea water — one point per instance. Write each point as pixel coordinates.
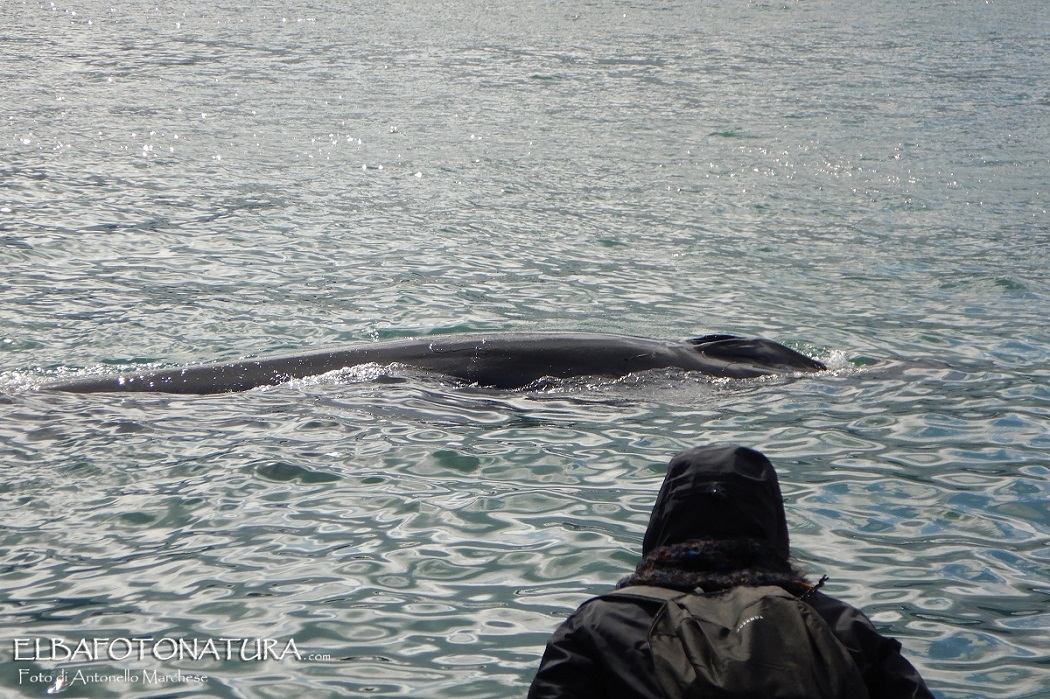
(190, 182)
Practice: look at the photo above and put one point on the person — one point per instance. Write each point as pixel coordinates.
(718, 523)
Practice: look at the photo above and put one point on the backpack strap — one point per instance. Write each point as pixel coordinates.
(647, 592)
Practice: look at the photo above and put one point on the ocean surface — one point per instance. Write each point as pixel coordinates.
(189, 182)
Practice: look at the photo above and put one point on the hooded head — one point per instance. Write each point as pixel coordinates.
(718, 492)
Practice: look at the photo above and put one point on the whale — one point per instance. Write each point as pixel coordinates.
(496, 360)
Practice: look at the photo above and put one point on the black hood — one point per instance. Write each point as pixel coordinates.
(718, 492)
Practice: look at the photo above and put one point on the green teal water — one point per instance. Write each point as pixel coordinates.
(195, 182)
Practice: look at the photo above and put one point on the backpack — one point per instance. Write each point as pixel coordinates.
(746, 643)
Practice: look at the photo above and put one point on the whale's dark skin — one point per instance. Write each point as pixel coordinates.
(505, 360)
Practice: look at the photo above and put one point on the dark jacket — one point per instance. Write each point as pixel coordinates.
(709, 494)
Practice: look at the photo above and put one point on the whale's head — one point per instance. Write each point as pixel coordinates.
(761, 353)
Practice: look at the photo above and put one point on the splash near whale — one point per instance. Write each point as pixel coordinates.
(497, 360)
